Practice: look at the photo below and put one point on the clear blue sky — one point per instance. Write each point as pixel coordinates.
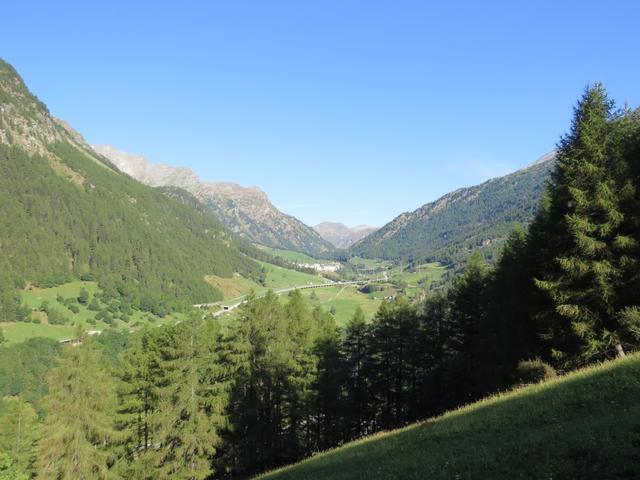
(351, 111)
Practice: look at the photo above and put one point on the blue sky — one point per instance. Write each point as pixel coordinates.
(351, 111)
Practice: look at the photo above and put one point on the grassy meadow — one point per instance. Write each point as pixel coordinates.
(344, 300)
(34, 298)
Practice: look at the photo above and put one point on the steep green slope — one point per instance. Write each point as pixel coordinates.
(65, 212)
(478, 217)
(585, 425)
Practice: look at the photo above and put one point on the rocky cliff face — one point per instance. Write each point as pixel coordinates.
(342, 236)
(247, 211)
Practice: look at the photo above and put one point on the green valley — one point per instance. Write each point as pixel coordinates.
(157, 326)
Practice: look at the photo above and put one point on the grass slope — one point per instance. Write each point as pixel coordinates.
(585, 425)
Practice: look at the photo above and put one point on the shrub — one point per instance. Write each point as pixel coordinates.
(83, 296)
(94, 305)
(55, 317)
(533, 371)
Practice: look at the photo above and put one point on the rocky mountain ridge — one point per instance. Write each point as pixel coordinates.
(247, 211)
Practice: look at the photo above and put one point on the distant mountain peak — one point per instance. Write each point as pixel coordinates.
(342, 236)
(247, 211)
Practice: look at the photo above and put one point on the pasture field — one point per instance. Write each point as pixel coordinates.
(292, 256)
(344, 300)
(55, 298)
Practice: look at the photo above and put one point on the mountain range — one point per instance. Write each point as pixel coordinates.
(342, 236)
(467, 219)
(246, 211)
(86, 211)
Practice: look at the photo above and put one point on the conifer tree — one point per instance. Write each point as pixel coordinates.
(355, 354)
(140, 378)
(464, 328)
(260, 398)
(467, 314)
(78, 428)
(508, 333)
(18, 433)
(584, 220)
(190, 413)
(394, 362)
(302, 370)
(329, 385)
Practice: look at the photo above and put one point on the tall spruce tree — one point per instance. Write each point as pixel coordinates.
(584, 219)
(627, 140)
(78, 428)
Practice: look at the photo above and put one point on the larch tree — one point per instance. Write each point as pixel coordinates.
(192, 400)
(78, 431)
(18, 433)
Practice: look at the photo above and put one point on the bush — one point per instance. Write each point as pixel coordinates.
(87, 277)
(114, 306)
(533, 371)
(55, 317)
(22, 313)
(107, 318)
(83, 296)
(74, 308)
(94, 305)
(370, 288)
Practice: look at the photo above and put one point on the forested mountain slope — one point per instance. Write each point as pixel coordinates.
(65, 212)
(247, 211)
(478, 217)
